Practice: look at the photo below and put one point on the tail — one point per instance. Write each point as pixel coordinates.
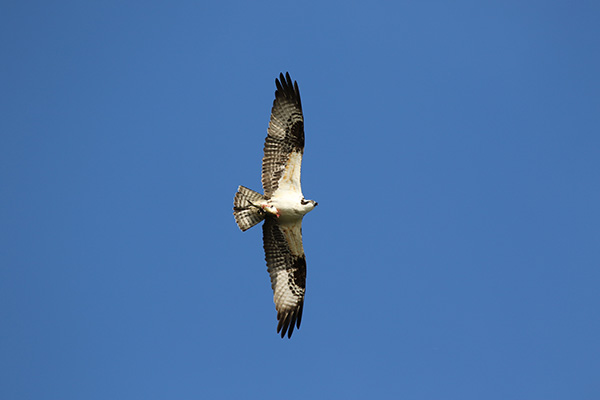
(246, 208)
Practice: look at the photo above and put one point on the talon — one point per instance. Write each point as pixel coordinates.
(270, 209)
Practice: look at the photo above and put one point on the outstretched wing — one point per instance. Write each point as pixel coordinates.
(287, 266)
(284, 144)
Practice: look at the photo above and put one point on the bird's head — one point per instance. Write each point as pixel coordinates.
(309, 205)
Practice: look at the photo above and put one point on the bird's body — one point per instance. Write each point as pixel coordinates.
(283, 206)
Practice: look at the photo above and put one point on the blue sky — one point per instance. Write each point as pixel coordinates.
(454, 150)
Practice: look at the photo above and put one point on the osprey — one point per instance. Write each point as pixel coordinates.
(282, 206)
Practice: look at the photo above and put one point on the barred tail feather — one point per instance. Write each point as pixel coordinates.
(246, 208)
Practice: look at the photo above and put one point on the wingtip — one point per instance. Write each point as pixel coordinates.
(300, 309)
(284, 324)
(282, 83)
(288, 88)
(278, 82)
(290, 320)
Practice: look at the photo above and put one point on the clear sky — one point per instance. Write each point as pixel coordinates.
(453, 147)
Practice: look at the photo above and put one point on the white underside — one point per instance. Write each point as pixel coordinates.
(287, 199)
(290, 208)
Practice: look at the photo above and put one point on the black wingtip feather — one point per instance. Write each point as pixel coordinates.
(292, 323)
(300, 309)
(288, 79)
(284, 324)
(287, 88)
(297, 94)
(290, 320)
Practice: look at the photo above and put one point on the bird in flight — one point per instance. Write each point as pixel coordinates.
(282, 206)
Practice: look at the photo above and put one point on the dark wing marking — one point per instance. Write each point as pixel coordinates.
(287, 267)
(285, 134)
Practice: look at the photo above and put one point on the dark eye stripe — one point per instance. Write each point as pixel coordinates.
(304, 202)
